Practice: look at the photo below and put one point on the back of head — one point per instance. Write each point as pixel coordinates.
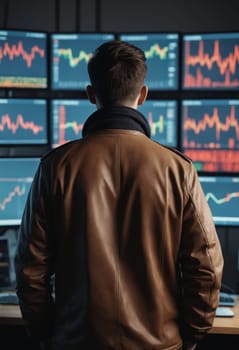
(117, 71)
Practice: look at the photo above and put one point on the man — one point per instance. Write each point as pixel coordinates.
(123, 224)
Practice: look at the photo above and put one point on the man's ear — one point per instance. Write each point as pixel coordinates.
(90, 94)
(143, 95)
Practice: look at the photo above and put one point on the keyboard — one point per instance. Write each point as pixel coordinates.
(227, 299)
(8, 298)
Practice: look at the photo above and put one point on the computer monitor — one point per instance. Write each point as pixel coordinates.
(23, 59)
(70, 55)
(222, 193)
(211, 61)
(68, 118)
(16, 175)
(162, 53)
(162, 116)
(210, 134)
(23, 121)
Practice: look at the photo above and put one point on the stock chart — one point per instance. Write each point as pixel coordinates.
(23, 121)
(68, 118)
(222, 194)
(161, 51)
(211, 61)
(16, 175)
(23, 59)
(210, 134)
(162, 119)
(71, 53)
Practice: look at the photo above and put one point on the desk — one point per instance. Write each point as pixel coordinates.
(10, 314)
(227, 325)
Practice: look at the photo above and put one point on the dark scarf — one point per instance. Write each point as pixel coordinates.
(116, 117)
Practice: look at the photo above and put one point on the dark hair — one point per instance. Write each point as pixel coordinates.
(117, 71)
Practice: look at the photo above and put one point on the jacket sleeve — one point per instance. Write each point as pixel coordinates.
(201, 263)
(34, 261)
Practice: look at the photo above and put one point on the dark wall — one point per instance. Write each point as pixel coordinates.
(123, 15)
(135, 16)
(172, 15)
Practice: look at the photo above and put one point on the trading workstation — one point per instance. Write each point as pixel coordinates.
(192, 106)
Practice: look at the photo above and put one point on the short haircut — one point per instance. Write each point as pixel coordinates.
(117, 71)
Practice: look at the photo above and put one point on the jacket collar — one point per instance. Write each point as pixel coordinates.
(116, 117)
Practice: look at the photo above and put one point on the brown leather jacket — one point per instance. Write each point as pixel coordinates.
(123, 224)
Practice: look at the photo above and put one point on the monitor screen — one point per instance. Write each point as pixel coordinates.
(161, 51)
(163, 118)
(16, 175)
(210, 134)
(23, 59)
(68, 118)
(222, 193)
(211, 61)
(23, 121)
(70, 55)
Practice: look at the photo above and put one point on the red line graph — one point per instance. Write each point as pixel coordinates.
(20, 123)
(17, 191)
(212, 121)
(226, 66)
(18, 50)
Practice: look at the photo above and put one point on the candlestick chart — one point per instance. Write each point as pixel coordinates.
(23, 121)
(162, 119)
(161, 51)
(210, 134)
(16, 175)
(211, 61)
(68, 118)
(222, 194)
(23, 59)
(71, 53)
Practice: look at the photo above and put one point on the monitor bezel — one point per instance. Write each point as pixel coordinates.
(26, 144)
(51, 56)
(181, 134)
(16, 222)
(46, 38)
(216, 176)
(203, 90)
(153, 93)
